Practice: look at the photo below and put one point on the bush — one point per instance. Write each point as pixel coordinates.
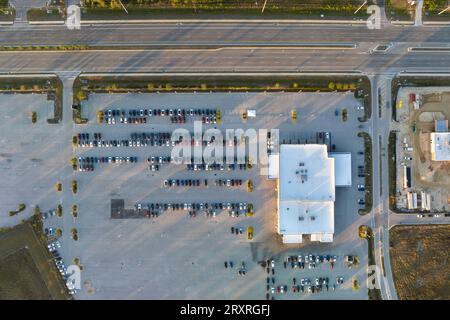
(250, 186)
(20, 208)
(81, 95)
(74, 186)
(75, 211)
(74, 233)
(59, 211)
(37, 210)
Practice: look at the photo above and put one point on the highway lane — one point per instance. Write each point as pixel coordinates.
(223, 60)
(186, 33)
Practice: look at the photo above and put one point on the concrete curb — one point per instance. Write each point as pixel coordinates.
(132, 21)
(46, 22)
(436, 23)
(249, 21)
(220, 74)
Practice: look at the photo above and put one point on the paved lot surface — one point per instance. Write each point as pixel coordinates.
(174, 256)
(31, 156)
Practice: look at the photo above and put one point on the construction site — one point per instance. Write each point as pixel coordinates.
(422, 149)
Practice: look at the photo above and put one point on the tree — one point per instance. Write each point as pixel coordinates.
(331, 85)
(81, 95)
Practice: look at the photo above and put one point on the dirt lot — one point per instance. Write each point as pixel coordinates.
(26, 284)
(25, 269)
(419, 257)
(429, 176)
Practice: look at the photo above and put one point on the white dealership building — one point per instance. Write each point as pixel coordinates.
(307, 176)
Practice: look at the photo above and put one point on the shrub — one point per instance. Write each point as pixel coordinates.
(74, 186)
(59, 211)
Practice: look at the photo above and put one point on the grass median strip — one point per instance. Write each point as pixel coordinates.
(169, 9)
(365, 232)
(368, 172)
(173, 46)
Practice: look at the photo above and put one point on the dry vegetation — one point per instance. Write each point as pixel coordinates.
(420, 261)
(20, 279)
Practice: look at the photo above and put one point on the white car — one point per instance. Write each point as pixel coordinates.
(437, 215)
(272, 263)
(420, 216)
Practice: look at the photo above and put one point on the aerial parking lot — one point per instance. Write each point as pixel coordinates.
(169, 252)
(143, 227)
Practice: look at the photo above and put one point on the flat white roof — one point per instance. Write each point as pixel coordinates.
(306, 173)
(306, 217)
(342, 168)
(306, 191)
(440, 146)
(274, 166)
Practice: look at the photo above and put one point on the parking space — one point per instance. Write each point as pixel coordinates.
(185, 238)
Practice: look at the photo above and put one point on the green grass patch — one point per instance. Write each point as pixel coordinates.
(368, 171)
(42, 14)
(250, 9)
(21, 207)
(374, 294)
(392, 160)
(399, 10)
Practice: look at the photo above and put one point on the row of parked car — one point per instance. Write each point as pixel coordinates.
(53, 248)
(185, 182)
(217, 166)
(110, 159)
(109, 115)
(137, 140)
(304, 285)
(309, 259)
(126, 143)
(242, 206)
(228, 182)
(87, 163)
(158, 112)
(234, 209)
